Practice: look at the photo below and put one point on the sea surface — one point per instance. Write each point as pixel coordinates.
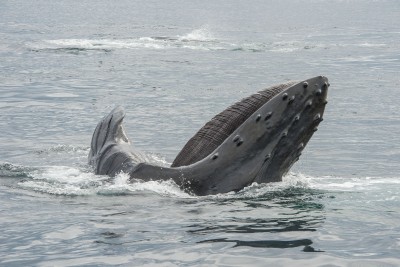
(173, 65)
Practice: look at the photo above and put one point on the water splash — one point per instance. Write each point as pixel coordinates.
(81, 181)
(72, 181)
(202, 35)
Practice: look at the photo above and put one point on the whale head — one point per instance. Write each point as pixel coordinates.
(257, 139)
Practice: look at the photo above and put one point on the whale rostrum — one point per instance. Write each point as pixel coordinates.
(257, 139)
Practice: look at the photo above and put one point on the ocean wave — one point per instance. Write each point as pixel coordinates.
(76, 46)
(198, 39)
(204, 39)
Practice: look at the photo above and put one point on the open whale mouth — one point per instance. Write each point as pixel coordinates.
(262, 135)
(256, 139)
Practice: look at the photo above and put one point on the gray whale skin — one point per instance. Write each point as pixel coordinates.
(256, 139)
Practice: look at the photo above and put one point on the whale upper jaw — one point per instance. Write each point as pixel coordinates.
(305, 104)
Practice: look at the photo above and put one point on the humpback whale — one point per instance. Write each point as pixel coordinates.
(257, 139)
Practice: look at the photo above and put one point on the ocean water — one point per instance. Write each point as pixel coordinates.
(173, 65)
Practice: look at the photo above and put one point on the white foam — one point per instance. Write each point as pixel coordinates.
(166, 188)
(123, 185)
(56, 189)
(93, 44)
(82, 43)
(113, 44)
(197, 39)
(61, 174)
(66, 180)
(63, 180)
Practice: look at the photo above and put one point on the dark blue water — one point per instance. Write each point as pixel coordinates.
(173, 65)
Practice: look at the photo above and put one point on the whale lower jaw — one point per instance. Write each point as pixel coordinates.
(260, 149)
